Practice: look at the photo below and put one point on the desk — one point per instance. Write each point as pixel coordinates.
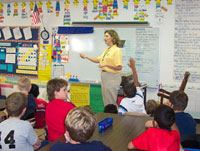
(124, 129)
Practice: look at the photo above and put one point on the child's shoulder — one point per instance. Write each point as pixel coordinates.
(17, 123)
(160, 130)
(59, 103)
(98, 146)
(183, 114)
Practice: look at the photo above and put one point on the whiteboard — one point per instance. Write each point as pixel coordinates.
(140, 43)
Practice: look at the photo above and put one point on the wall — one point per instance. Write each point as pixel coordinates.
(157, 18)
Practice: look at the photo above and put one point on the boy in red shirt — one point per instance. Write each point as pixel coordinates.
(57, 108)
(161, 137)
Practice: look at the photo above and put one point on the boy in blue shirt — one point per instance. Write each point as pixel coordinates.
(178, 101)
(24, 85)
(80, 125)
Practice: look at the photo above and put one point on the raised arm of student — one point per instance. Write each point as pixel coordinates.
(95, 60)
(135, 76)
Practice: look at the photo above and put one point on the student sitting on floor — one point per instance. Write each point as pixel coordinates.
(80, 125)
(163, 136)
(135, 99)
(178, 101)
(24, 85)
(57, 108)
(151, 105)
(40, 107)
(110, 108)
(16, 134)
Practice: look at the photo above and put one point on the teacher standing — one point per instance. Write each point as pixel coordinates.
(110, 63)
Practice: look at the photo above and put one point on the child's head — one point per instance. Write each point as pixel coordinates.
(24, 84)
(57, 89)
(130, 90)
(81, 123)
(179, 100)
(110, 108)
(151, 105)
(164, 116)
(16, 103)
(34, 90)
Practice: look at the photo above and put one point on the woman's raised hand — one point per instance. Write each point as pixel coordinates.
(83, 56)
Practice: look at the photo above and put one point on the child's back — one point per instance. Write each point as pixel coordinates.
(134, 103)
(184, 121)
(159, 138)
(24, 85)
(156, 139)
(17, 134)
(40, 113)
(135, 99)
(40, 107)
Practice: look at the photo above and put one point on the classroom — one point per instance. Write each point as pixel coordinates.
(161, 35)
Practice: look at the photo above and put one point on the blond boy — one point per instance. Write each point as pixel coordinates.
(24, 85)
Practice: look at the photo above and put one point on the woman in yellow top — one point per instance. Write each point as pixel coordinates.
(110, 62)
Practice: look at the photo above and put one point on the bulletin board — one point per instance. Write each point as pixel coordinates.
(19, 49)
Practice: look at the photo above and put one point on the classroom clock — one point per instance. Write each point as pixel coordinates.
(44, 34)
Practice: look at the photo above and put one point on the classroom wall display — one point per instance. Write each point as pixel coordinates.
(60, 48)
(44, 67)
(187, 44)
(19, 51)
(87, 94)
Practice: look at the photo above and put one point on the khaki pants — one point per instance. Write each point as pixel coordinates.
(110, 83)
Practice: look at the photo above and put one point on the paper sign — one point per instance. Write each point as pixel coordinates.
(10, 58)
(6, 32)
(17, 33)
(27, 33)
(79, 94)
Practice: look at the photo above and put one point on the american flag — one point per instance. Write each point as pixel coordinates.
(36, 16)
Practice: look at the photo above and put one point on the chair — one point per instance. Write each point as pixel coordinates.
(165, 94)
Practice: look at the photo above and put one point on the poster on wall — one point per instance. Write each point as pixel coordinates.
(44, 67)
(61, 48)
